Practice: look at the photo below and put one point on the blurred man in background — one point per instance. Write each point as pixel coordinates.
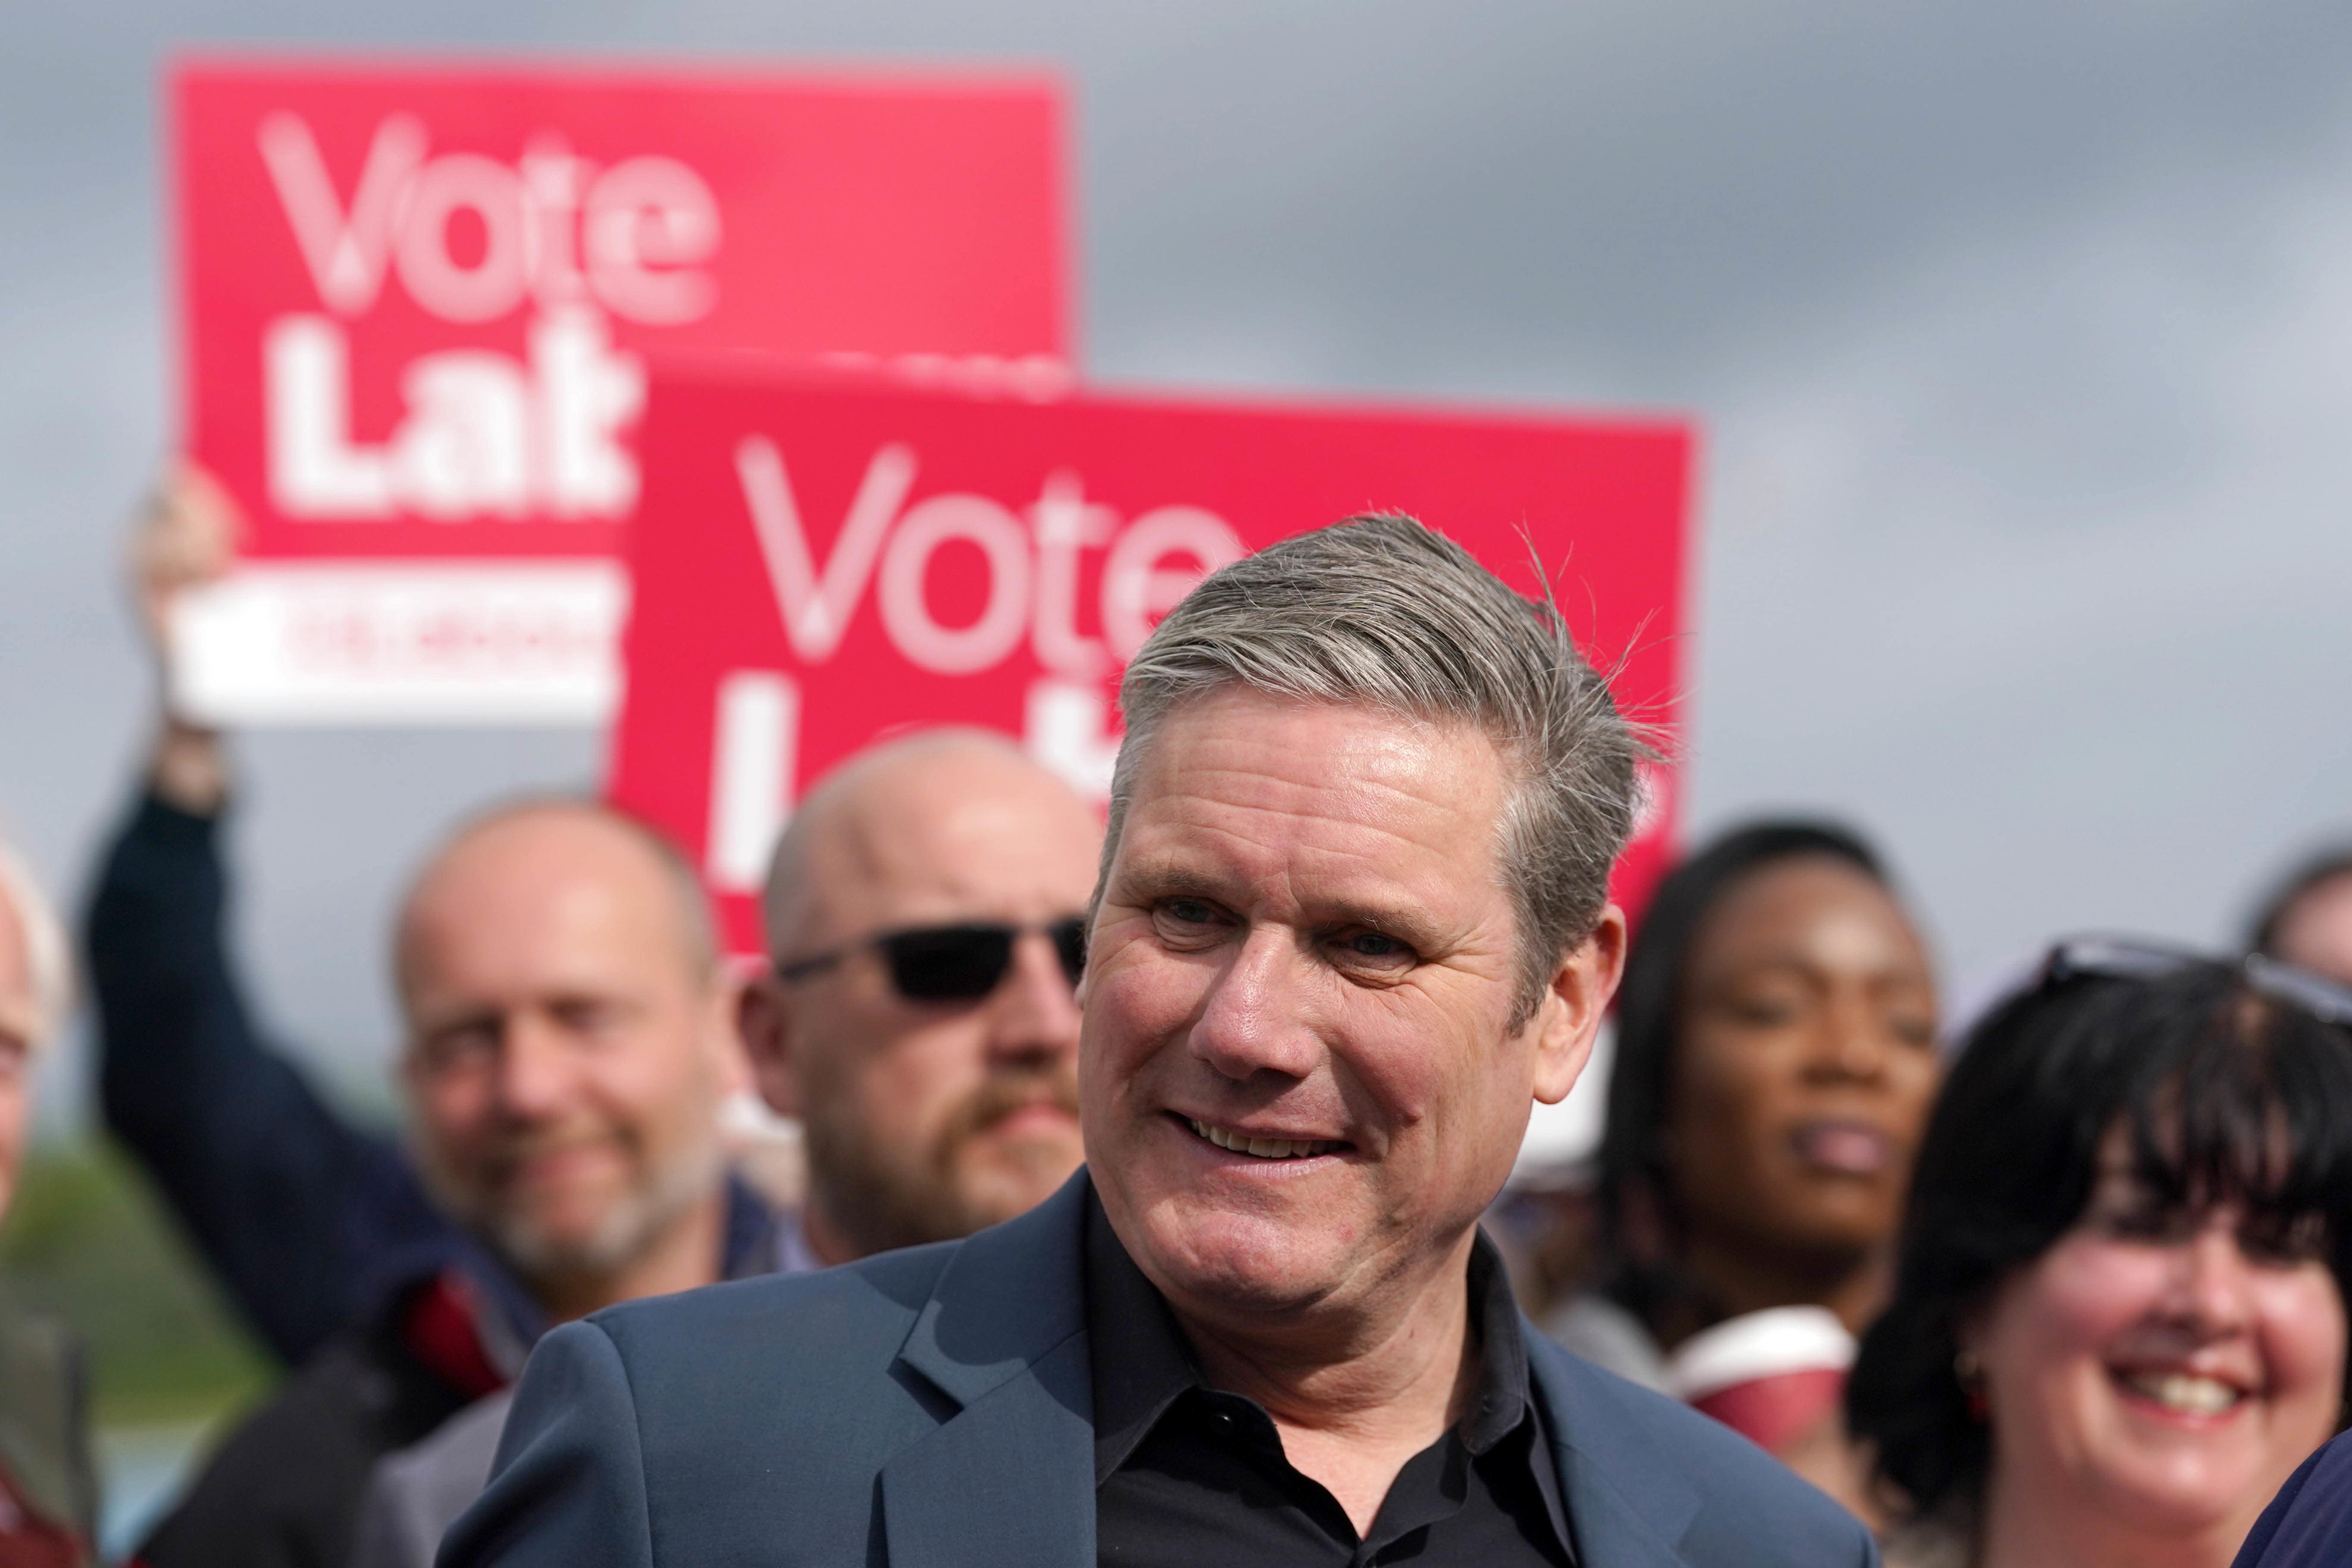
(570, 1041)
(925, 915)
(2308, 921)
(49, 1488)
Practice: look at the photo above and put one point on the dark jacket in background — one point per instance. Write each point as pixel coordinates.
(321, 1233)
(310, 1223)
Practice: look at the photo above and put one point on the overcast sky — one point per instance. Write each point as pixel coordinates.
(2020, 336)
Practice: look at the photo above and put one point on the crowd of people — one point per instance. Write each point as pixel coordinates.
(1144, 1164)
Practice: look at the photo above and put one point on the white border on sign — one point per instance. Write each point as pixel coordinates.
(395, 643)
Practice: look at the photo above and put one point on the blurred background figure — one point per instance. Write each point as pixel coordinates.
(926, 918)
(927, 914)
(1775, 1057)
(2119, 1319)
(570, 1042)
(2307, 922)
(48, 1488)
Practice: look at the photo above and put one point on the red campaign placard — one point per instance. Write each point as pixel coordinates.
(415, 301)
(818, 565)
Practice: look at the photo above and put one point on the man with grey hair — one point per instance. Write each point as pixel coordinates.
(1352, 922)
(48, 1485)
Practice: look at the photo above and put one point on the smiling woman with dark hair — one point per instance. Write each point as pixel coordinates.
(2119, 1314)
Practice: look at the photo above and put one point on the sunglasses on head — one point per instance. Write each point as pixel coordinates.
(2130, 958)
(961, 962)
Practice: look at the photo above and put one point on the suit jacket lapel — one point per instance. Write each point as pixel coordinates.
(1009, 1476)
(1627, 1506)
(1010, 1479)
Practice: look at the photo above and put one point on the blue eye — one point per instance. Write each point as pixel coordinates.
(1375, 944)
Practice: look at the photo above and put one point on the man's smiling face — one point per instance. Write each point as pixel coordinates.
(1298, 1068)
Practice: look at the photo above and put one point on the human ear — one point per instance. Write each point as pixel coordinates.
(764, 1017)
(1574, 1003)
(724, 1031)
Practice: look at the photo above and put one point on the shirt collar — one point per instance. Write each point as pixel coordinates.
(1140, 1358)
(1142, 1364)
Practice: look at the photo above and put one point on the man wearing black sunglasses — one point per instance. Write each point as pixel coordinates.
(926, 919)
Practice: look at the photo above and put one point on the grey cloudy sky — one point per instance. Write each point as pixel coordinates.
(2021, 335)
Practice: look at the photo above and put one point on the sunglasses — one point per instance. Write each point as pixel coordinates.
(2129, 958)
(950, 964)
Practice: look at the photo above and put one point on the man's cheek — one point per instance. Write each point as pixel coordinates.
(1151, 996)
(910, 1091)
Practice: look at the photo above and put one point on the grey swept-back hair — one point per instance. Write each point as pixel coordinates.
(1382, 611)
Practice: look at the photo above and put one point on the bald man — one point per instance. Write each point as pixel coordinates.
(569, 1041)
(926, 925)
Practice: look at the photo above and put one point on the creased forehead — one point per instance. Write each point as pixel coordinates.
(1340, 813)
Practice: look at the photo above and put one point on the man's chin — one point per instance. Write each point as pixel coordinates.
(1222, 1259)
(1002, 1179)
(552, 1252)
(580, 1233)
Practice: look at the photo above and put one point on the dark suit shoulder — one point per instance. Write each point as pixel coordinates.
(1742, 1506)
(851, 1315)
(748, 1400)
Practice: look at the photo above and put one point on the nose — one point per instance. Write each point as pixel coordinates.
(1851, 1045)
(1033, 1012)
(1255, 1018)
(536, 1070)
(2211, 1277)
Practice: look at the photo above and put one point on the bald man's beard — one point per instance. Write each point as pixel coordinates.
(879, 1196)
(660, 1192)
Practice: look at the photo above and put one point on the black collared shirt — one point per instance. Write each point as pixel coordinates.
(1186, 1474)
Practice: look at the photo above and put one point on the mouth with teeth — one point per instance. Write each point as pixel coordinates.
(2182, 1393)
(1263, 1148)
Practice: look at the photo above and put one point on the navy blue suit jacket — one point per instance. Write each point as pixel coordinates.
(933, 1408)
(2309, 1523)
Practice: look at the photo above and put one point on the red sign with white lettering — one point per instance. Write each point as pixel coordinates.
(819, 565)
(416, 299)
